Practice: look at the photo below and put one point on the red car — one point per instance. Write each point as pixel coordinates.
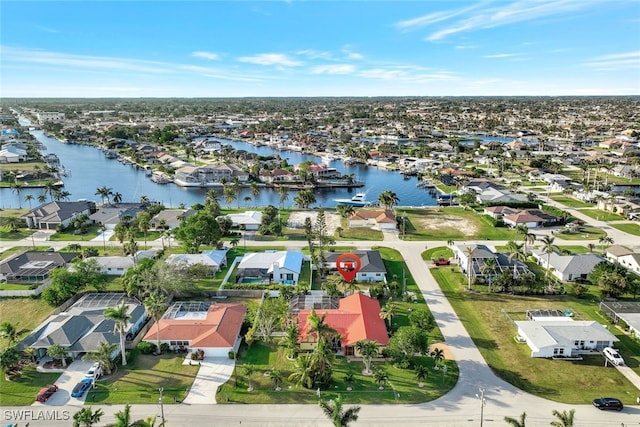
(441, 261)
(46, 393)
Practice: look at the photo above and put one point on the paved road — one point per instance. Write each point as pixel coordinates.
(458, 408)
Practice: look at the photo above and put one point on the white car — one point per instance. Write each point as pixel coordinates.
(613, 356)
(94, 372)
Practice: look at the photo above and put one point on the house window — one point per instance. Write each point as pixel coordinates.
(378, 274)
(289, 276)
(349, 351)
(558, 351)
(173, 343)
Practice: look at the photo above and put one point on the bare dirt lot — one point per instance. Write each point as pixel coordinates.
(452, 222)
(296, 220)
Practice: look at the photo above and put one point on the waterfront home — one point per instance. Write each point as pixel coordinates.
(532, 218)
(379, 219)
(279, 176)
(52, 215)
(357, 318)
(282, 267)
(13, 154)
(110, 215)
(211, 327)
(33, 266)
(170, 218)
(209, 175)
(372, 267)
(82, 327)
(249, 220)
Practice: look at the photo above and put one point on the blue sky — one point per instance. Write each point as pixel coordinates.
(319, 48)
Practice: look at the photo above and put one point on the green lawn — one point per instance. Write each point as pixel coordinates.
(68, 234)
(570, 382)
(22, 391)
(25, 313)
(437, 252)
(628, 227)
(585, 233)
(402, 382)
(359, 233)
(138, 382)
(570, 201)
(599, 215)
(451, 223)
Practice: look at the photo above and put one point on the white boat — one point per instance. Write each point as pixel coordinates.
(359, 200)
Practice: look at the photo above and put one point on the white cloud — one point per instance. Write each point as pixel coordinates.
(270, 59)
(616, 61)
(315, 54)
(206, 55)
(501, 55)
(347, 50)
(515, 12)
(333, 69)
(432, 18)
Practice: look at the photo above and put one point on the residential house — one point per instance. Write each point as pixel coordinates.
(614, 252)
(270, 267)
(372, 267)
(631, 262)
(211, 327)
(568, 268)
(12, 154)
(33, 266)
(357, 318)
(114, 265)
(249, 220)
(170, 218)
(474, 256)
(82, 327)
(532, 218)
(110, 215)
(214, 259)
(209, 175)
(489, 192)
(51, 216)
(564, 337)
(623, 313)
(381, 219)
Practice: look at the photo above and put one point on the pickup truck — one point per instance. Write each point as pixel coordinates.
(441, 261)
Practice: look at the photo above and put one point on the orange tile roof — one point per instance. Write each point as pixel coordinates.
(380, 215)
(356, 318)
(220, 328)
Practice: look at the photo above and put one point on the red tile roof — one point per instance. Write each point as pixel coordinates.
(219, 328)
(356, 318)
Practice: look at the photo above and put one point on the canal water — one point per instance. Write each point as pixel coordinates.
(90, 169)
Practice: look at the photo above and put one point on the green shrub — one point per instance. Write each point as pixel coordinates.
(146, 347)
(164, 347)
(232, 355)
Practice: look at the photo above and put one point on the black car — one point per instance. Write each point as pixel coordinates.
(603, 403)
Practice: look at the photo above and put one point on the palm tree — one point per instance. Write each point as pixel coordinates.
(304, 199)
(605, 240)
(284, 195)
(276, 378)
(565, 419)
(156, 305)
(29, 198)
(548, 248)
(123, 418)
(104, 192)
(58, 352)
(438, 356)
(86, 417)
(121, 318)
(516, 423)
(31, 353)
(102, 355)
(9, 357)
(323, 330)
(516, 253)
(388, 311)
(488, 269)
(469, 252)
(248, 371)
(421, 374)
(380, 377)
(117, 197)
(334, 411)
(388, 199)
(18, 188)
(10, 331)
(302, 374)
(368, 350)
(255, 192)
(144, 224)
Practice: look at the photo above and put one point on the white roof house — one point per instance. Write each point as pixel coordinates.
(216, 259)
(270, 267)
(568, 267)
(251, 220)
(564, 337)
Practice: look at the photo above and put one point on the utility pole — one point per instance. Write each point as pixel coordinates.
(483, 402)
(161, 389)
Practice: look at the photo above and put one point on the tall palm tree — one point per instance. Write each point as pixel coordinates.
(18, 188)
(284, 195)
(58, 352)
(388, 199)
(121, 318)
(86, 417)
(605, 240)
(323, 330)
(516, 423)
(528, 237)
(255, 192)
(565, 419)
(102, 355)
(29, 198)
(488, 269)
(548, 248)
(388, 311)
(337, 415)
(117, 197)
(368, 350)
(438, 355)
(516, 253)
(123, 418)
(105, 193)
(304, 199)
(469, 252)
(156, 305)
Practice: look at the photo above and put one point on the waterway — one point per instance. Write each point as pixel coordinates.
(90, 169)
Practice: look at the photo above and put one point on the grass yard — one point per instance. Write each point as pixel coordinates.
(628, 227)
(571, 382)
(438, 252)
(24, 313)
(401, 382)
(599, 215)
(22, 391)
(359, 233)
(139, 381)
(451, 223)
(585, 233)
(570, 201)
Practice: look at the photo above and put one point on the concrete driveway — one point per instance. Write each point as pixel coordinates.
(67, 381)
(213, 373)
